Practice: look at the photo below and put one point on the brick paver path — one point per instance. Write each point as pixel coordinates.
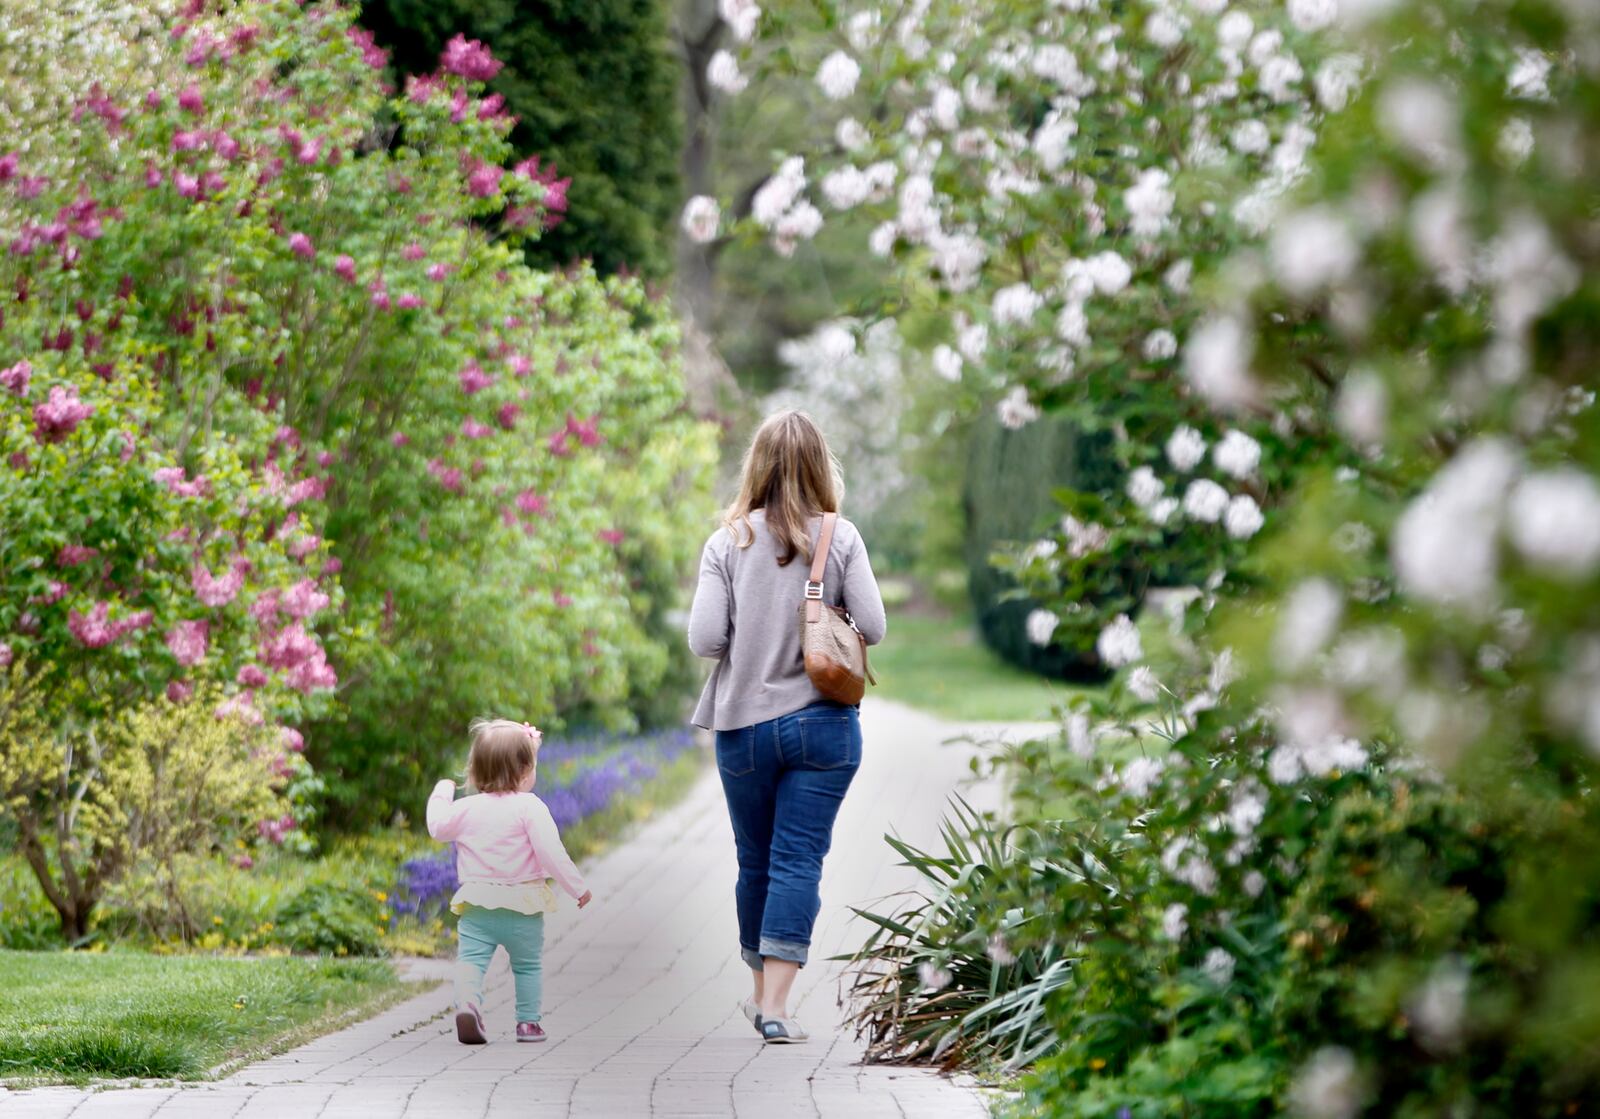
(641, 991)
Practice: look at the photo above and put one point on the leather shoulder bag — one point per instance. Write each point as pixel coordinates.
(834, 650)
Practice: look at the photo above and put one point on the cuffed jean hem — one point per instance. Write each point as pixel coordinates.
(791, 950)
(778, 949)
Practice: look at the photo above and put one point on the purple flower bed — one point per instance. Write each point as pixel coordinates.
(589, 774)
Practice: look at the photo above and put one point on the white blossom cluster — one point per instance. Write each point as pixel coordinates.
(853, 381)
(1204, 501)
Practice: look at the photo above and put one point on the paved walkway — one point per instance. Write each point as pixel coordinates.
(641, 991)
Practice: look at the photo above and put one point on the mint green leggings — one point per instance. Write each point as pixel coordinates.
(479, 933)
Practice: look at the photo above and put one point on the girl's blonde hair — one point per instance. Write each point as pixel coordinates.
(502, 754)
(789, 472)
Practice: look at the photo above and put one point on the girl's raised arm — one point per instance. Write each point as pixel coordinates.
(446, 815)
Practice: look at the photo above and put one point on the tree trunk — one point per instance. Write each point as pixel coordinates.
(710, 384)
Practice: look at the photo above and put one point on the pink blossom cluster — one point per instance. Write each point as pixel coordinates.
(60, 415)
(241, 707)
(474, 379)
(187, 642)
(470, 59)
(585, 432)
(533, 504)
(6, 655)
(176, 480)
(14, 378)
(96, 629)
(303, 546)
(473, 429)
(54, 591)
(293, 741)
(371, 53)
(276, 831)
(265, 608)
(554, 203)
(101, 106)
(74, 554)
(483, 181)
(213, 590)
(302, 600)
(506, 416)
(307, 489)
(251, 676)
(420, 88)
(294, 651)
(447, 476)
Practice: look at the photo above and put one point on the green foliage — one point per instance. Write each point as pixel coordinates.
(331, 920)
(157, 783)
(114, 1015)
(594, 88)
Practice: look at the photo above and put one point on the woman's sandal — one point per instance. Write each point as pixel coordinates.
(752, 1013)
(782, 1031)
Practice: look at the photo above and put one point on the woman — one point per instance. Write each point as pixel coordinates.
(786, 755)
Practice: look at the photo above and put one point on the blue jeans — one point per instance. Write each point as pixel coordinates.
(785, 779)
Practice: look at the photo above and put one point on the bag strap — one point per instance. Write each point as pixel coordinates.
(819, 562)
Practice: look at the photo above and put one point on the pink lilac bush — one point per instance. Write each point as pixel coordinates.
(401, 445)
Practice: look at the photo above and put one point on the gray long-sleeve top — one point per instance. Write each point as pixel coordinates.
(745, 616)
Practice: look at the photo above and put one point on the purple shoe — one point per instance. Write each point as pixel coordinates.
(531, 1031)
(469, 1025)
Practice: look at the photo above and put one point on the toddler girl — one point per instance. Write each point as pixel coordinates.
(507, 851)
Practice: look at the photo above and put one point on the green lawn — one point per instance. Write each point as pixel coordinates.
(70, 1017)
(940, 665)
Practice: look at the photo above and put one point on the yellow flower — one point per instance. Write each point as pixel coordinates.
(216, 920)
(380, 895)
(1097, 1063)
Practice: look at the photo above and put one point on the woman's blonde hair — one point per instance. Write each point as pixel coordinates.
(790, 473)
(502, 754)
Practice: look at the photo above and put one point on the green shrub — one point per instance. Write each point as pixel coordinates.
(333, 920)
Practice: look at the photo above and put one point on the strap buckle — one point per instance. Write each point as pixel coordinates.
(813, 590)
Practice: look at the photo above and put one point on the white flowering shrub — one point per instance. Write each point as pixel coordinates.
(1059, 181)
(1327, 845)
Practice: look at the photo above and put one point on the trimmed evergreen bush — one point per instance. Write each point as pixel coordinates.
(1010, 495)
